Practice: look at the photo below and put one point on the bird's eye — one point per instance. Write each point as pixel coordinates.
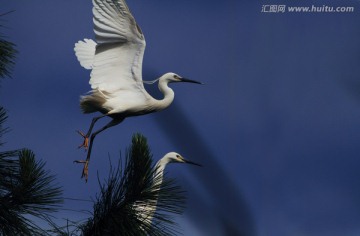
(176, 77)
(178, 156)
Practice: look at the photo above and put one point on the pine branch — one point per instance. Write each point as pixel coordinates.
(27, 189)
(3, 118)
(128, 199)
(36, 190)
(7, 55)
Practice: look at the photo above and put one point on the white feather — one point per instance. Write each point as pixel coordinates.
(85, 53)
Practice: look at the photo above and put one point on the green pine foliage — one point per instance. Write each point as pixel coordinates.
(130, 195)
(7, 56)
(25, 189)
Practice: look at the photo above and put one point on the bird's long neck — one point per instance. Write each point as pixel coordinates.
(159, 171)
(168, 95)
(158, 179)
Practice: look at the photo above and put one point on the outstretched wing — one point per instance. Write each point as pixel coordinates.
(117, 63)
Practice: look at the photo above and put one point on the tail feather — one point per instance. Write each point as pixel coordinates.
(93, 102)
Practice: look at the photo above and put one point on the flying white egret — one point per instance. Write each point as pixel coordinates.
(115, 60)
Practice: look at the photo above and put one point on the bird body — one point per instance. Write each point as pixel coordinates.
(115, 59)
(136, 103)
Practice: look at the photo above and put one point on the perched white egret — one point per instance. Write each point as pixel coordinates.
(115, 60)
(137, 198)
(146, 210)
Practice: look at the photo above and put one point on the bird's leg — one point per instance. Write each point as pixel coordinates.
(85, 144)
(92, 137)
(85, 169)
(86, 136)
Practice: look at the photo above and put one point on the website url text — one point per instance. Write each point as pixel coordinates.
(308, 9)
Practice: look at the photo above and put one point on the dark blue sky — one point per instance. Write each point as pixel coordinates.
(277, 124)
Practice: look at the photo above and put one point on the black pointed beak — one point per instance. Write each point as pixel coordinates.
(192, 163)
(189, 81)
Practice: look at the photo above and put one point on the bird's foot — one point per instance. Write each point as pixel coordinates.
(85, 171)
(85, 144)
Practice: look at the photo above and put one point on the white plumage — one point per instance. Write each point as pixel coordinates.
(85, 53)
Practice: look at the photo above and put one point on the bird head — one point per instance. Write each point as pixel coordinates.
(174, 157)
(172, 77)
